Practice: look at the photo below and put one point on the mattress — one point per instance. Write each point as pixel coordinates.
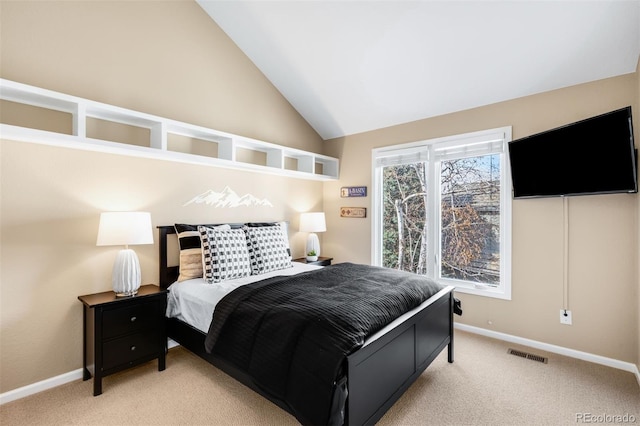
(193, 301)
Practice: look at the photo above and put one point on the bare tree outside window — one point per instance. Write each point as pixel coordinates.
(405, 217)
(470, 218)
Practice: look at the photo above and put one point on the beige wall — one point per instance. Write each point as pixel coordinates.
(603, 287)
(163, 58)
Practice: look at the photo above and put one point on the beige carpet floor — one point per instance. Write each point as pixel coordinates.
(485, 386)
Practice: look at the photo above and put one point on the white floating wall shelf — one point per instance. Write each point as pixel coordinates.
(279, 160)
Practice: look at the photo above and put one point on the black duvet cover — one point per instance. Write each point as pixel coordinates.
(292, 334)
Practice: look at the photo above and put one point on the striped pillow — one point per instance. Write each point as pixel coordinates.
(224, 254)
(268, 249)
(190, 250)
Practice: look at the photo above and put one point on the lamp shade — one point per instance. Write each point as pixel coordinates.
(312, 222)
(124, 228)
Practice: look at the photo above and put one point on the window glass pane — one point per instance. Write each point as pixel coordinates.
(404, 221)
(470, 219)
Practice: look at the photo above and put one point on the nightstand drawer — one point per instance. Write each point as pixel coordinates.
(129, 319)
(129, 348)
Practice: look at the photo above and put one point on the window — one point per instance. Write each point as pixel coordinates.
(442, 208)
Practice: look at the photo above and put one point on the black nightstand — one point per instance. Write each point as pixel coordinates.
(122, 332)
(322, 261)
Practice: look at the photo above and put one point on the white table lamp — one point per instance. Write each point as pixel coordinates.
(312, 223)
(125, 229)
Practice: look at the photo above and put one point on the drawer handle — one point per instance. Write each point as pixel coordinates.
(133, 319)
(133, 348)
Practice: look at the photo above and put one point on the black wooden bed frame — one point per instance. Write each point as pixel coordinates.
(377, 374)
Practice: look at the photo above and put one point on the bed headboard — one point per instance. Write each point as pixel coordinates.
(169, 274)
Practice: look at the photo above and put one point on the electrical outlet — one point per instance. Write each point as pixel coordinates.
(565, 317)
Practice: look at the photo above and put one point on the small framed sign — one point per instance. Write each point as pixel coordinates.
(353, 191)
(358, 212)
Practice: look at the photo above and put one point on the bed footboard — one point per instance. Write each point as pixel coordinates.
(381, 372)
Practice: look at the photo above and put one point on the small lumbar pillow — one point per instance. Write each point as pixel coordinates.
(225, 254)
(191, 250)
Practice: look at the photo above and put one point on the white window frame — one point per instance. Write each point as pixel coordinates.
(433, 151)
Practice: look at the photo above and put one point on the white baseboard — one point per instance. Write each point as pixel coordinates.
(43, 385)
(572, 353)
(53, 382)
(621, 365)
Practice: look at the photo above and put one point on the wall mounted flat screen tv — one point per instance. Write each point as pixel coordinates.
(592, 156)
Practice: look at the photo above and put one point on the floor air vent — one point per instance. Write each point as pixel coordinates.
(526, 355)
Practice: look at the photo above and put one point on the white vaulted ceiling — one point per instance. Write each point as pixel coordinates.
(353, 66)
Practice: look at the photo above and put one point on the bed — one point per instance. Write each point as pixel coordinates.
(373, 376)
